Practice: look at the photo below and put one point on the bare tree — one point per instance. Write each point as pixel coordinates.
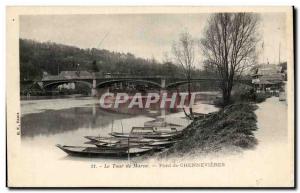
(229, 46)
(184, 52)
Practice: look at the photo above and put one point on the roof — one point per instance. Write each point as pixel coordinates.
(272, 77)
(275, 78)
(75, 74)
(265, 82)
(267, 69)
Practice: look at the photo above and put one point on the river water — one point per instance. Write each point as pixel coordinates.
(47, 122)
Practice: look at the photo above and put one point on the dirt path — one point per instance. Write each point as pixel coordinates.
(269, 163)
(271, 122)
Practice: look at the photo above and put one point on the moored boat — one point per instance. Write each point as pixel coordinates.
(124, 144)
(158, 122)
(148, 136)
(121, 139)
(148, 133)
(104, 152)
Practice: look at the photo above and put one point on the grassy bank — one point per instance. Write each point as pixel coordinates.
(231, 127)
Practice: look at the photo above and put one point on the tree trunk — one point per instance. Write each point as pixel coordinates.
(190, 96)
(226, 95)
(185, 113)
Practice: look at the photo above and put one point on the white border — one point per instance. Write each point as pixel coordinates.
(5, 3)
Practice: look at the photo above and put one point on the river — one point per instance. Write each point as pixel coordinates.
(47, 122)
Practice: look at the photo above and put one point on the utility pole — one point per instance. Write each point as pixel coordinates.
(279, 46)
(279, 52)
(263, 50)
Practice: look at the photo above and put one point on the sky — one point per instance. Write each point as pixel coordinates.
(144, 35)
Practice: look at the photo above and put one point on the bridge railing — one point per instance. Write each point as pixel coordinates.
(58, 78)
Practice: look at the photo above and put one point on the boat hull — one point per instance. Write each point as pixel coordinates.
(166, 136)
(103, 152)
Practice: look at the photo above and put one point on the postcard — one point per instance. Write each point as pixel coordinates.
(146, 97)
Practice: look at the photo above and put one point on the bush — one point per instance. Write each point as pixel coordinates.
(261, 97)
(248, 94)
(243, 93)
(232, 126)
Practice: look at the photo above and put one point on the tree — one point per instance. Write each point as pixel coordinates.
(229, 47)
(184, 52)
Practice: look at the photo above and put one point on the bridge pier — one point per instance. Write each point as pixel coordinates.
(162, 91)
(163, 83)
(94, 90)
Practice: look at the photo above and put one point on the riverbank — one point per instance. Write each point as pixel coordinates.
(230, 128)
(272, 156)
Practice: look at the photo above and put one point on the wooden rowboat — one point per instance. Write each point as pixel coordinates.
(148, 133)
(124, 144)
(104, 152)
(121, 139)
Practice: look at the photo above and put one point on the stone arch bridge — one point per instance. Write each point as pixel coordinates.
(94, 83)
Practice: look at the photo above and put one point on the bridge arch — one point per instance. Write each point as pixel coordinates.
(110, 82)
(57, 83)
(184, 82)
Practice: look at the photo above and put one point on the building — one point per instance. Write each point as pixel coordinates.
(69, 75)
(75, 74)
(268, 77)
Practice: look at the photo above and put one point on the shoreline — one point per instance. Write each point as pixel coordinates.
(230, 128)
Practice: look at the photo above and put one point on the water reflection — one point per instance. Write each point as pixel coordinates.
(52, 122)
